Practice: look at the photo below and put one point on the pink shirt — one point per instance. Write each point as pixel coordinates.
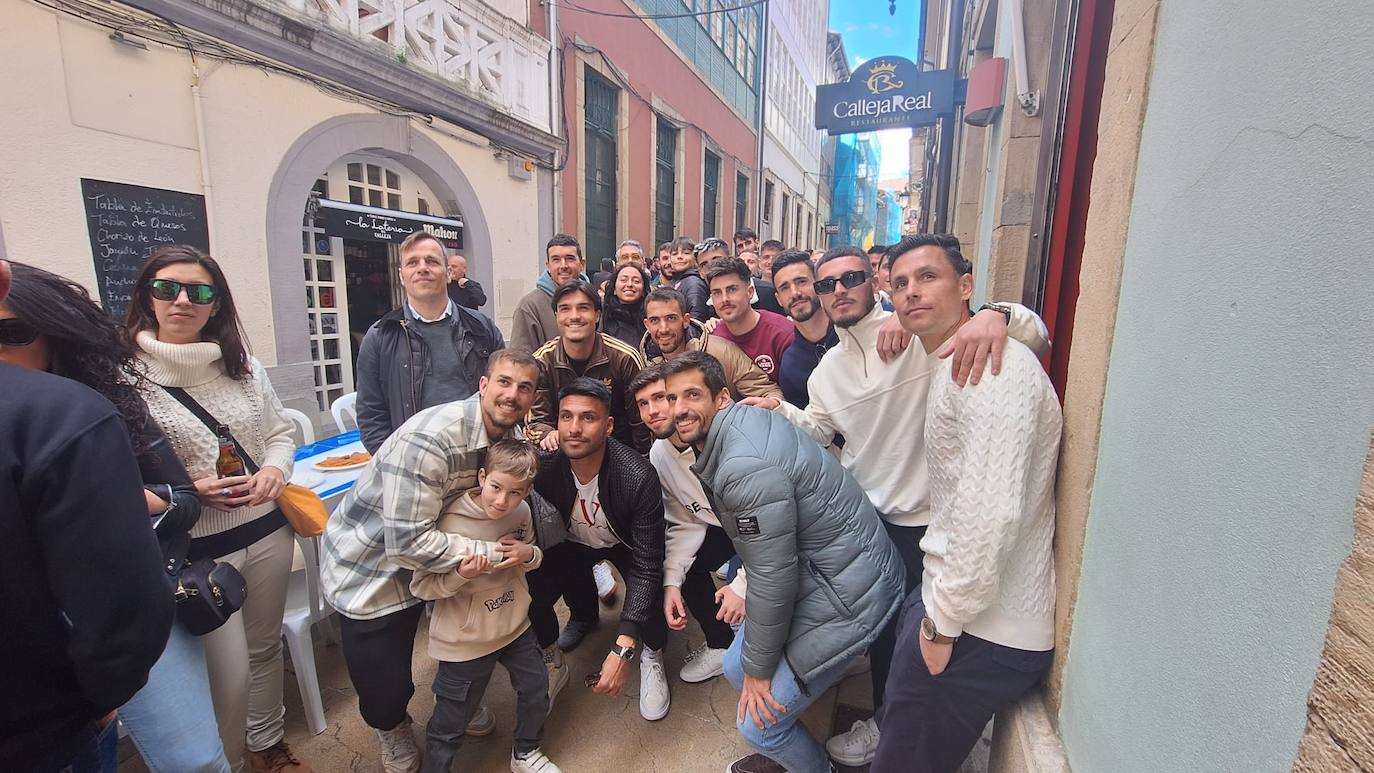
(765, 343)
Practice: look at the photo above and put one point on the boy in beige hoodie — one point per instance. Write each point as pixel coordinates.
(481, 612)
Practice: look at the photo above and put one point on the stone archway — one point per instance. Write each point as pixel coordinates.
(317, 148)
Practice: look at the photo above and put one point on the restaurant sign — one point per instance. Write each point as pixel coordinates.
(887, 92)
(356, 221)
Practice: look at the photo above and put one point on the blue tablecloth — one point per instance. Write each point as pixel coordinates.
(331, 484)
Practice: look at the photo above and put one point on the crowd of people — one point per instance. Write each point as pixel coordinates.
(828, 460)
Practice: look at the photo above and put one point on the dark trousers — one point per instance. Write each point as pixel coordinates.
(378, 653)
(579, 593)
(930, 723)
(568, 560)
(908, 542)
(458, 690)
(699, 590)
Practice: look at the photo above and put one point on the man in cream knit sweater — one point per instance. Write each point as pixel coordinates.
(856, 395)
(987, 589)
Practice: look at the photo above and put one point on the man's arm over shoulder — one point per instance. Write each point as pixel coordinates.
(643, 586)
(815, 419)
(91, 522)
(543, 416)
(415, 466)
(1027, 327)
(372, 407)
(746, 377)
(988, 505)
(764, 507)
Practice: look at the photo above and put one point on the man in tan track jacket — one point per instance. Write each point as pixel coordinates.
(668, 324)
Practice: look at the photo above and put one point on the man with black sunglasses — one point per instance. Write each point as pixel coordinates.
(880, 410)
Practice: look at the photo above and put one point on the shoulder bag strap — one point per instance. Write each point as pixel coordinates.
(209, 421)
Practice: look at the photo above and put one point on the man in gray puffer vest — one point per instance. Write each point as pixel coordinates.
(823, 576)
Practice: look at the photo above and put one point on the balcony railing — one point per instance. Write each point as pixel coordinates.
(474, 47)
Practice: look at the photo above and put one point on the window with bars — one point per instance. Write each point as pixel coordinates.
(786, 209)
(710, 189)
(665, 181)
(767, 201)
(326, 308)
(602, 100)
(373, 185)
(741, 200)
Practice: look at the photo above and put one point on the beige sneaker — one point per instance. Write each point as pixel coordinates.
(558, 672)
(400, 753)
(276, 758)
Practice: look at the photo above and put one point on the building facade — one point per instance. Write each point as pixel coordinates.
(1215, 535)
(301, 139)
(797, 64)
(660, 115)
(854, 190)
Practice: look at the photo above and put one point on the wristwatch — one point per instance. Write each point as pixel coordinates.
(999, 307)
(929, 633)
(628, 653)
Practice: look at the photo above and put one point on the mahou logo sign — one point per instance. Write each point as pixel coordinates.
(885, 93)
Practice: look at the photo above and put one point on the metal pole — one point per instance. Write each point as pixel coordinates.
(763, 96)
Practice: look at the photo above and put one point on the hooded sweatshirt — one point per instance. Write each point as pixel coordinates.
(474, 618)
(880, 410)
(534, 323)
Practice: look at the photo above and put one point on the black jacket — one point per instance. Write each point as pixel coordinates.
(633, 501)
(86, 605)
(392, 364)
(694, 289)
(624, 322)
(470, 295)
(165, 476)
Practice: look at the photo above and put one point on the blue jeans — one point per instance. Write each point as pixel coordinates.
(172, 719)
(99, 753)
(787, 742)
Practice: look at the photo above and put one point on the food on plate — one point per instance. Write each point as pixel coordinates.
(347, 460)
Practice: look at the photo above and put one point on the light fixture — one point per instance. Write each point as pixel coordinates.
(118, 37)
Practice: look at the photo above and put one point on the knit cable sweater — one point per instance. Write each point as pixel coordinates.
(992, 450)
(249, 407)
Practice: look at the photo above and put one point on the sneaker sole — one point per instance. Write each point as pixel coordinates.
(660, 716)
(718, 672)
(555, 689)
(480, 732)
(851, 762)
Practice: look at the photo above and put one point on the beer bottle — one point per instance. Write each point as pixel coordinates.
(229, 463)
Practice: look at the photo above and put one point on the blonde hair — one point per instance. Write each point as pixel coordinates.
(515, 458)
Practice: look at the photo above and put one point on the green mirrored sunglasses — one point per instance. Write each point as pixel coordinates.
(168, 290)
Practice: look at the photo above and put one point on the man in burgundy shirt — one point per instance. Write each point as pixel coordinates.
(762, 334)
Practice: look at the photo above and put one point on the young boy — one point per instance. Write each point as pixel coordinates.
(481, 612)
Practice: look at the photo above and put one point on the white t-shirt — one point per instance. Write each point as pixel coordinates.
(588, 524)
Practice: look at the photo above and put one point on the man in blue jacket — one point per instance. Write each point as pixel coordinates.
(824, 578)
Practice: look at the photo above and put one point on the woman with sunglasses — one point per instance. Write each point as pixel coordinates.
(49, 323)
(191, 343)
(623, 314)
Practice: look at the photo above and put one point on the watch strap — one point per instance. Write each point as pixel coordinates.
(628, 653)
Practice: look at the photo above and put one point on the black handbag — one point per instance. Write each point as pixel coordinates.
(208, 593)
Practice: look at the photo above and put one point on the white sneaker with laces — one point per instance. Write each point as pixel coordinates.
(533, 762)
(558, 672)
(653, 686)
(605, 581)
(703, 663)
(400, 753)
(856, 747)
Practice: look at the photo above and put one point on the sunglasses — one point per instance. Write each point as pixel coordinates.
(168, 290)
(850, 279)
(16, 332)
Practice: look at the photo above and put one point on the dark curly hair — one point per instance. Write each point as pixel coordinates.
(86, 344)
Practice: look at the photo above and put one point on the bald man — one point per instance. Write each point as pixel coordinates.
(462, 290)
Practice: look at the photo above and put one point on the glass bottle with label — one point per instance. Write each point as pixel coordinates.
(229, 463)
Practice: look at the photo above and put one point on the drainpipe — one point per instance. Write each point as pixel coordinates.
(763, 96)
(555, 105)
(953, 44)
(205, 187)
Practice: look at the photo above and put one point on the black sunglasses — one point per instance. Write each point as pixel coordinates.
(850, 279)
(168, 290)
(16, 332)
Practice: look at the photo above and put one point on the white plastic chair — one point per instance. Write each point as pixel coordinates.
(343, 407)
(303, 424)
(305, 607)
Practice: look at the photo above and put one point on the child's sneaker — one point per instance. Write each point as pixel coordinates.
(532, 762)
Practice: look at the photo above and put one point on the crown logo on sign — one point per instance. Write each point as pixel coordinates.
(885, 67)
(881, 78)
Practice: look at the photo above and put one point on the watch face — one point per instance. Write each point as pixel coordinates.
(928, 629)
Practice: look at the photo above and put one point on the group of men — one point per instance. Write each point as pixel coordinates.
(882, 497)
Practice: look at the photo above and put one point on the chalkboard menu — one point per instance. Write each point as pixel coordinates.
(126, 223)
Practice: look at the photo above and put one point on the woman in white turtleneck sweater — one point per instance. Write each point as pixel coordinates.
(188, 334)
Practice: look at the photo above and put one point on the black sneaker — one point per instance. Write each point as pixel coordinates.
(755, 763)
(573, 634)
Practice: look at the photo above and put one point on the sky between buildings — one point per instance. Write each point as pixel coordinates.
(868, 32)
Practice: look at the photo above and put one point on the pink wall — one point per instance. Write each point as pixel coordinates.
(654, 70)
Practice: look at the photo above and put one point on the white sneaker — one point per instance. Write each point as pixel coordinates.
(856, 747)
(859, 665)
(703, 663)
(483, 723)
(724, 571)
(400, 753)
(558, 672)
(533, 762)
(653, 686)
(605, 581)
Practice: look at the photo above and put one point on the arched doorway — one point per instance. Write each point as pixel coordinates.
(396, 167)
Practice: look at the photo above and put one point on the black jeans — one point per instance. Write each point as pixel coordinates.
(908, 542)
(568, 560)
(930, 723)
(699, 590)
(458, 691)
(378, 654)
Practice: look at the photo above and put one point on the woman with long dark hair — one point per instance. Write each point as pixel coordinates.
(53, 325)
(623, 313)
(190, 342)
